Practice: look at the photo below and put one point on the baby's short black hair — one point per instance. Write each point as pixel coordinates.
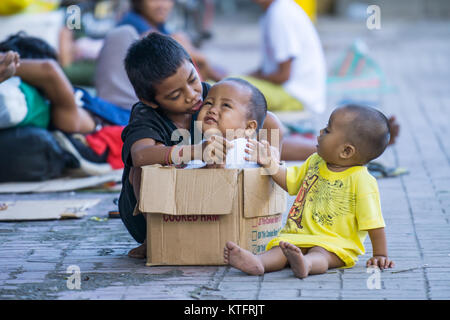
(369, 131)
(257, 108)
(28, 47)
(151, 60)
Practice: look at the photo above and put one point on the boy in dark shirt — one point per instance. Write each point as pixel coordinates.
(160, 111)
(171, 94)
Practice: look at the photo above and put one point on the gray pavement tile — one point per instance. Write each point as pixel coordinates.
(400, 295)
(274, 294)
(319, 293)
(300, 284)
(244, 286)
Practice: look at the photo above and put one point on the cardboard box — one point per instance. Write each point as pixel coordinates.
(193, 213)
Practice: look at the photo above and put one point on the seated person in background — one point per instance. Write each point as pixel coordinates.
(337, 202)
(292, 75)
(293, 71)
(151, 15)
(38, 69)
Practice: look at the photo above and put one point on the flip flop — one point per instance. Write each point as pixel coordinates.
(379, 170)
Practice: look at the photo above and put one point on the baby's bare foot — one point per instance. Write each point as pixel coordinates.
(242, 259)
(296, 259)
(139, 252)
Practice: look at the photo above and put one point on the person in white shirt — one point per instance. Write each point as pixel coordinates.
(292, 75)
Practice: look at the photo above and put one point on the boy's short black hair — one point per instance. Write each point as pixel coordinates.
(257, 108)
(369, 132)
(28, 47)
(151, 60)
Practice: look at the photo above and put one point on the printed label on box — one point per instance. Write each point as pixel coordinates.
(191, 218)
(263, 230)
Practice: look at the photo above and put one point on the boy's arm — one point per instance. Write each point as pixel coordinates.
(379, 248)
(147, 152)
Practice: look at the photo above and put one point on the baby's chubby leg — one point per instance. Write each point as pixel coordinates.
(317, 260)
(252, 264)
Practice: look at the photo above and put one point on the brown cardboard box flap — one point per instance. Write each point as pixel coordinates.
(262, 196)
(174, 191)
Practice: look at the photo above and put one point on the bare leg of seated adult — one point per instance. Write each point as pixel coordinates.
(48, 76)
(296, 148)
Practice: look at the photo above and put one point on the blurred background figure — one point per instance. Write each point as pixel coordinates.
(292, 73)
(144, 16)
(196, 19)
(49, 96)
(152, 15)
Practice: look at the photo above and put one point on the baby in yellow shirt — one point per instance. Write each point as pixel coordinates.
(337, 201)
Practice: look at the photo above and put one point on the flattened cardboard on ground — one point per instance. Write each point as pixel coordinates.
(193, 213)
(61, 184)
(24, 210)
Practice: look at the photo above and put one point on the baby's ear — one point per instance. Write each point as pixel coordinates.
(150, 104)
(348, 151)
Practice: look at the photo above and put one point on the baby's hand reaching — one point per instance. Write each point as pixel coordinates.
(259, 152)
(262, 153)
(380, 261)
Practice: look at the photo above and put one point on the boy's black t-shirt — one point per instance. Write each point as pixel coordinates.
(145, 122)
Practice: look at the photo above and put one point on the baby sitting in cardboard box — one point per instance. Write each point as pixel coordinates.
(235, 110)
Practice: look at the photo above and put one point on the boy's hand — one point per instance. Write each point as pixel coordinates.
(380, 261)
(215, 151)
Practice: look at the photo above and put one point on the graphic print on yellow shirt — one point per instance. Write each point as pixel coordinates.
(326, 199)
(296, 212)
(332, 210)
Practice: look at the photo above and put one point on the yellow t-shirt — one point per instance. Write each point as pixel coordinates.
(332, 210)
